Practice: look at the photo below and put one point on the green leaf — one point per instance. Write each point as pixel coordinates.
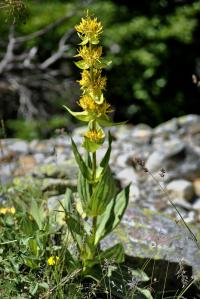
(91, 146)
(67, 201)
(103, 193)
(37, 214)
(44, 285)
(112, 215)
(104, 162)
(100, 99)
(82, 166)
(84, 191)
(106, 121)
(85, 41)
(34, 289)
(143, 294)
(30, 262)
(76, 229)
(115, 253)
(33, 246)
(82, 116)
(102, 64)
(140, 275)
(83, 65)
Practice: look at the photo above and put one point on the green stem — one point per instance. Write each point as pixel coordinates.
(94, 166)
(94, 163)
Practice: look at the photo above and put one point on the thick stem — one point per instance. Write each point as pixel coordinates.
(94, 163)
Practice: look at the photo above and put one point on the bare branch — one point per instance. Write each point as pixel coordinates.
(44, 30)
(61, 49)
(26, 106)
(9, 52)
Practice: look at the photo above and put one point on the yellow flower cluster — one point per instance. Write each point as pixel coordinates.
(94, 136)
(89, 29)
(99, 82)
(92, 82)
(53, 260)
(94, 105)
(89, 105)
(90, 55)
(7, 210)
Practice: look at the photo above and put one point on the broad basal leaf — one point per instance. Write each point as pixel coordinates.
(86, 172)
(112, 215)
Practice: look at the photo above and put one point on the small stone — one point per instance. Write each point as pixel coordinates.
(53, 201)
(196, 184)
(190, 218)
(42, 147)
(127, 176)
(123, 132)
(39, 157)
(6, 156)
(26, 164)
(169, 126)
(196, 205)
(166, 156)
(182, 203)
(142, 133)
(181, 189)
(189, 121)
(121, 160)
(134, 192)
(19, 147)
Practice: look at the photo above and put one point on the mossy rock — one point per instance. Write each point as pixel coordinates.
(152, 235)
(66, 169)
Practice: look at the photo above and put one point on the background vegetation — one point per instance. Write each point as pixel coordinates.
(154, 46)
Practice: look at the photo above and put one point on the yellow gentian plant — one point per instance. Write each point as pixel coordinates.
(99, 208)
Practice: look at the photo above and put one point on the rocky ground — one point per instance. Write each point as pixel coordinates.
(171, 175)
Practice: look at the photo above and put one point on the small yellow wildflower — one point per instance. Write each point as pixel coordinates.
(53, 260)
(95, 84)
(90, 55)
(89, 28)
(89, 105)
(7, 210)
(94, 136)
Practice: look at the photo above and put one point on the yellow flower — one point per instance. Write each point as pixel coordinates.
(7, 210)
(88, 104)
(53, 260)
(94, 136)
(95, 84)
(90, 55)
(89, 28)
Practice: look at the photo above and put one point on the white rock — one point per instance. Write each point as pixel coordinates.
(190, 218)
(19, 146)
(181, 189)
(196, 205)
(182, 203)
(134, 192)
(127, 176)
(39, 157)
(121, 161)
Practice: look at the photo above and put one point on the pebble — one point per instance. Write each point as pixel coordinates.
(127, 176)
(196, 184)
(196, 204)
(181, 189)
(19, 147)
